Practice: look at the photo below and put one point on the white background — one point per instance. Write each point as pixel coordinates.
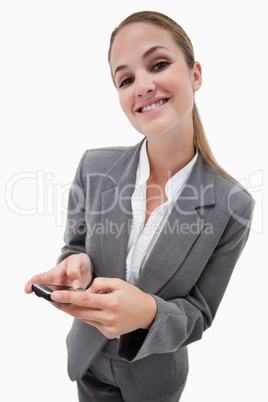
(56, 100)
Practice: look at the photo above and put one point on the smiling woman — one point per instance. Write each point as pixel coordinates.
(156, 72)
(154, 231)
(179, 36)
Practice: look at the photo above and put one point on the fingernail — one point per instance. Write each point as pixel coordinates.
(76, 284)
(89, 290)
(56, 296)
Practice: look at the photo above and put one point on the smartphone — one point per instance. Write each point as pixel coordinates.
(45, 290)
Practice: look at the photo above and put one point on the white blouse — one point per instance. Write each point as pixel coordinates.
(142, 239)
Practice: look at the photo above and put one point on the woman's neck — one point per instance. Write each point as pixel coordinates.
(169, 155)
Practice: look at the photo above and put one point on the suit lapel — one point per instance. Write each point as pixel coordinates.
(181, 230)
(183, 227)
(117, 218)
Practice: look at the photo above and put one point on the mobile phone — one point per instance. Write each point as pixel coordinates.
(45, 290)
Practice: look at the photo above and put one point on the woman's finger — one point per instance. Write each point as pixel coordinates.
(45, 277)
(102, 285)
(83, 299)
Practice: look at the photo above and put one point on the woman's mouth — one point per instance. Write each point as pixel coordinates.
(152, 106)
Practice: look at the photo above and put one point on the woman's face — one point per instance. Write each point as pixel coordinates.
(154, 83)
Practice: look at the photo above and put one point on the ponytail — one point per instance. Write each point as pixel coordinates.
(201, 142)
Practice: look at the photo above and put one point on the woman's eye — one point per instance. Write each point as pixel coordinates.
(126, 82)
(160, 65)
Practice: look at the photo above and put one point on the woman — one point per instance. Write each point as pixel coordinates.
(154, 231)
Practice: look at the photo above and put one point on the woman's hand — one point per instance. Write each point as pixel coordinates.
(124, 309)
(73, 271)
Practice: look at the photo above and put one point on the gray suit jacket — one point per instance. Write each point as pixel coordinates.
(187, 271)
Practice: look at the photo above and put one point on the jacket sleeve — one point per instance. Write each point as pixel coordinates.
(75, 231)
(181, 321)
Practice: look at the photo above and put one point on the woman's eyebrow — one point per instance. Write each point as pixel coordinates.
(145, 56)
(152, 50)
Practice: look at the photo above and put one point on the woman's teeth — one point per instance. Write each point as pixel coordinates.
(153, 106)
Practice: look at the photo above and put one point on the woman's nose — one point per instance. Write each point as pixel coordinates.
(144, 85)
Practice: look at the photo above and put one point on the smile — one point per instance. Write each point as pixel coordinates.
(161, 102)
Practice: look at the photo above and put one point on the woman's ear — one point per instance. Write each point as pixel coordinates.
(197, 76)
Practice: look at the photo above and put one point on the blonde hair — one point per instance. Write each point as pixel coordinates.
(183, 41)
